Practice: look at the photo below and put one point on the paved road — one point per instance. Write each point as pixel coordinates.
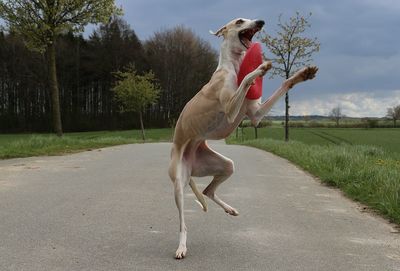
(113, 209)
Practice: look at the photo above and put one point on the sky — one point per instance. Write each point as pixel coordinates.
(358, 59)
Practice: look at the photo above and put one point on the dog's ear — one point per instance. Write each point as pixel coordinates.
(220, 32)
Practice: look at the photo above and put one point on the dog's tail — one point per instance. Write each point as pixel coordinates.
(199, 195)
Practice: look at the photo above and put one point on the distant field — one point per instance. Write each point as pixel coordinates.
(25, 145)
(387, 138)
(345, 123)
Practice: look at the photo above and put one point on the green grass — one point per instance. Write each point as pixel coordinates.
(387, 138)
(368, 174)
(25, 145)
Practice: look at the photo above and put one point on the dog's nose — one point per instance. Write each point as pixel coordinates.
(260, 23)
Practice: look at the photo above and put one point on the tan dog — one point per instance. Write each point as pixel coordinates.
(214, 113)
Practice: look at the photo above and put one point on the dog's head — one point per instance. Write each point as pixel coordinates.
(239, 32)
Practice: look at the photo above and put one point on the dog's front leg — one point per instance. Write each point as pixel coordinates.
(256, 111)
(232, 102)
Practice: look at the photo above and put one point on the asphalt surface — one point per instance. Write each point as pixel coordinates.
(113, 209)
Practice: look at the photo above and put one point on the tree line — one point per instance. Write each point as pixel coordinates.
(181, 62)
(50, 74)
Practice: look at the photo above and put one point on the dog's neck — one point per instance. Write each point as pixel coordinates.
(229, 58)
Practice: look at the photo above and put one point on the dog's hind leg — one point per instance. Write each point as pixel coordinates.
(178, 189)
(179, 174)
(211, 163)
(209, 191)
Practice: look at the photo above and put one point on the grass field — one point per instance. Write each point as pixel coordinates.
(387, 138)
(25, 145)
(364, 164)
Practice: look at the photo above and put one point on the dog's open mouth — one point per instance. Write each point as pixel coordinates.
(246, 35)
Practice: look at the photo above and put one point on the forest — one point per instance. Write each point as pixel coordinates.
(181, 61)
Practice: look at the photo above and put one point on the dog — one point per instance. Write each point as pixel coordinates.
(214, 113)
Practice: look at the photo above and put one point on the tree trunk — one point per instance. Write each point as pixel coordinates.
(142, 126)
(53, 85)
(287, 117)
(255, 132)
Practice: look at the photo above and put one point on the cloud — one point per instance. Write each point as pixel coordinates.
(355, 104)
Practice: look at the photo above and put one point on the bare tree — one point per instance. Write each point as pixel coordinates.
(291, 51)
(393, 113)
(336, 114)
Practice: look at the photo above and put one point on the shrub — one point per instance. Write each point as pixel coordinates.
(370, 123)
(265, 123)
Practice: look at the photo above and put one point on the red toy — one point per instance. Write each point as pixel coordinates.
(251, 61)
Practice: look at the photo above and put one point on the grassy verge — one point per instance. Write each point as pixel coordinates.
(368, 174)
(25, 145)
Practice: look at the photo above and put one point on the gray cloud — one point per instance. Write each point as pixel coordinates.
(355, 104)
(359, 42)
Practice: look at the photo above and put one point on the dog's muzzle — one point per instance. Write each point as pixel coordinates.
(246, 35)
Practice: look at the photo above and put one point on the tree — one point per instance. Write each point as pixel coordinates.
(40, 22)
(336, 114)
(183, 63)
(394, 114)
(291, 51)
(135, 92)
(118, 43)
(21, 84)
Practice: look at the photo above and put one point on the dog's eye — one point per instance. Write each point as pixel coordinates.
(240, 21)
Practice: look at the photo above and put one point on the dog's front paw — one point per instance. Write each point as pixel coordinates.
(180, 252)
(310, 72)
(264, 67)
(306, 73)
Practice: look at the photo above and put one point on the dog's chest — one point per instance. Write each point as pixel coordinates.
(219, 127)
(217, 123)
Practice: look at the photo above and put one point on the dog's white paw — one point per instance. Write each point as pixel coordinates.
(180, 252)
(264, 67)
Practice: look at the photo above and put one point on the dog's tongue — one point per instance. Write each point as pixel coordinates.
(251, 60)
